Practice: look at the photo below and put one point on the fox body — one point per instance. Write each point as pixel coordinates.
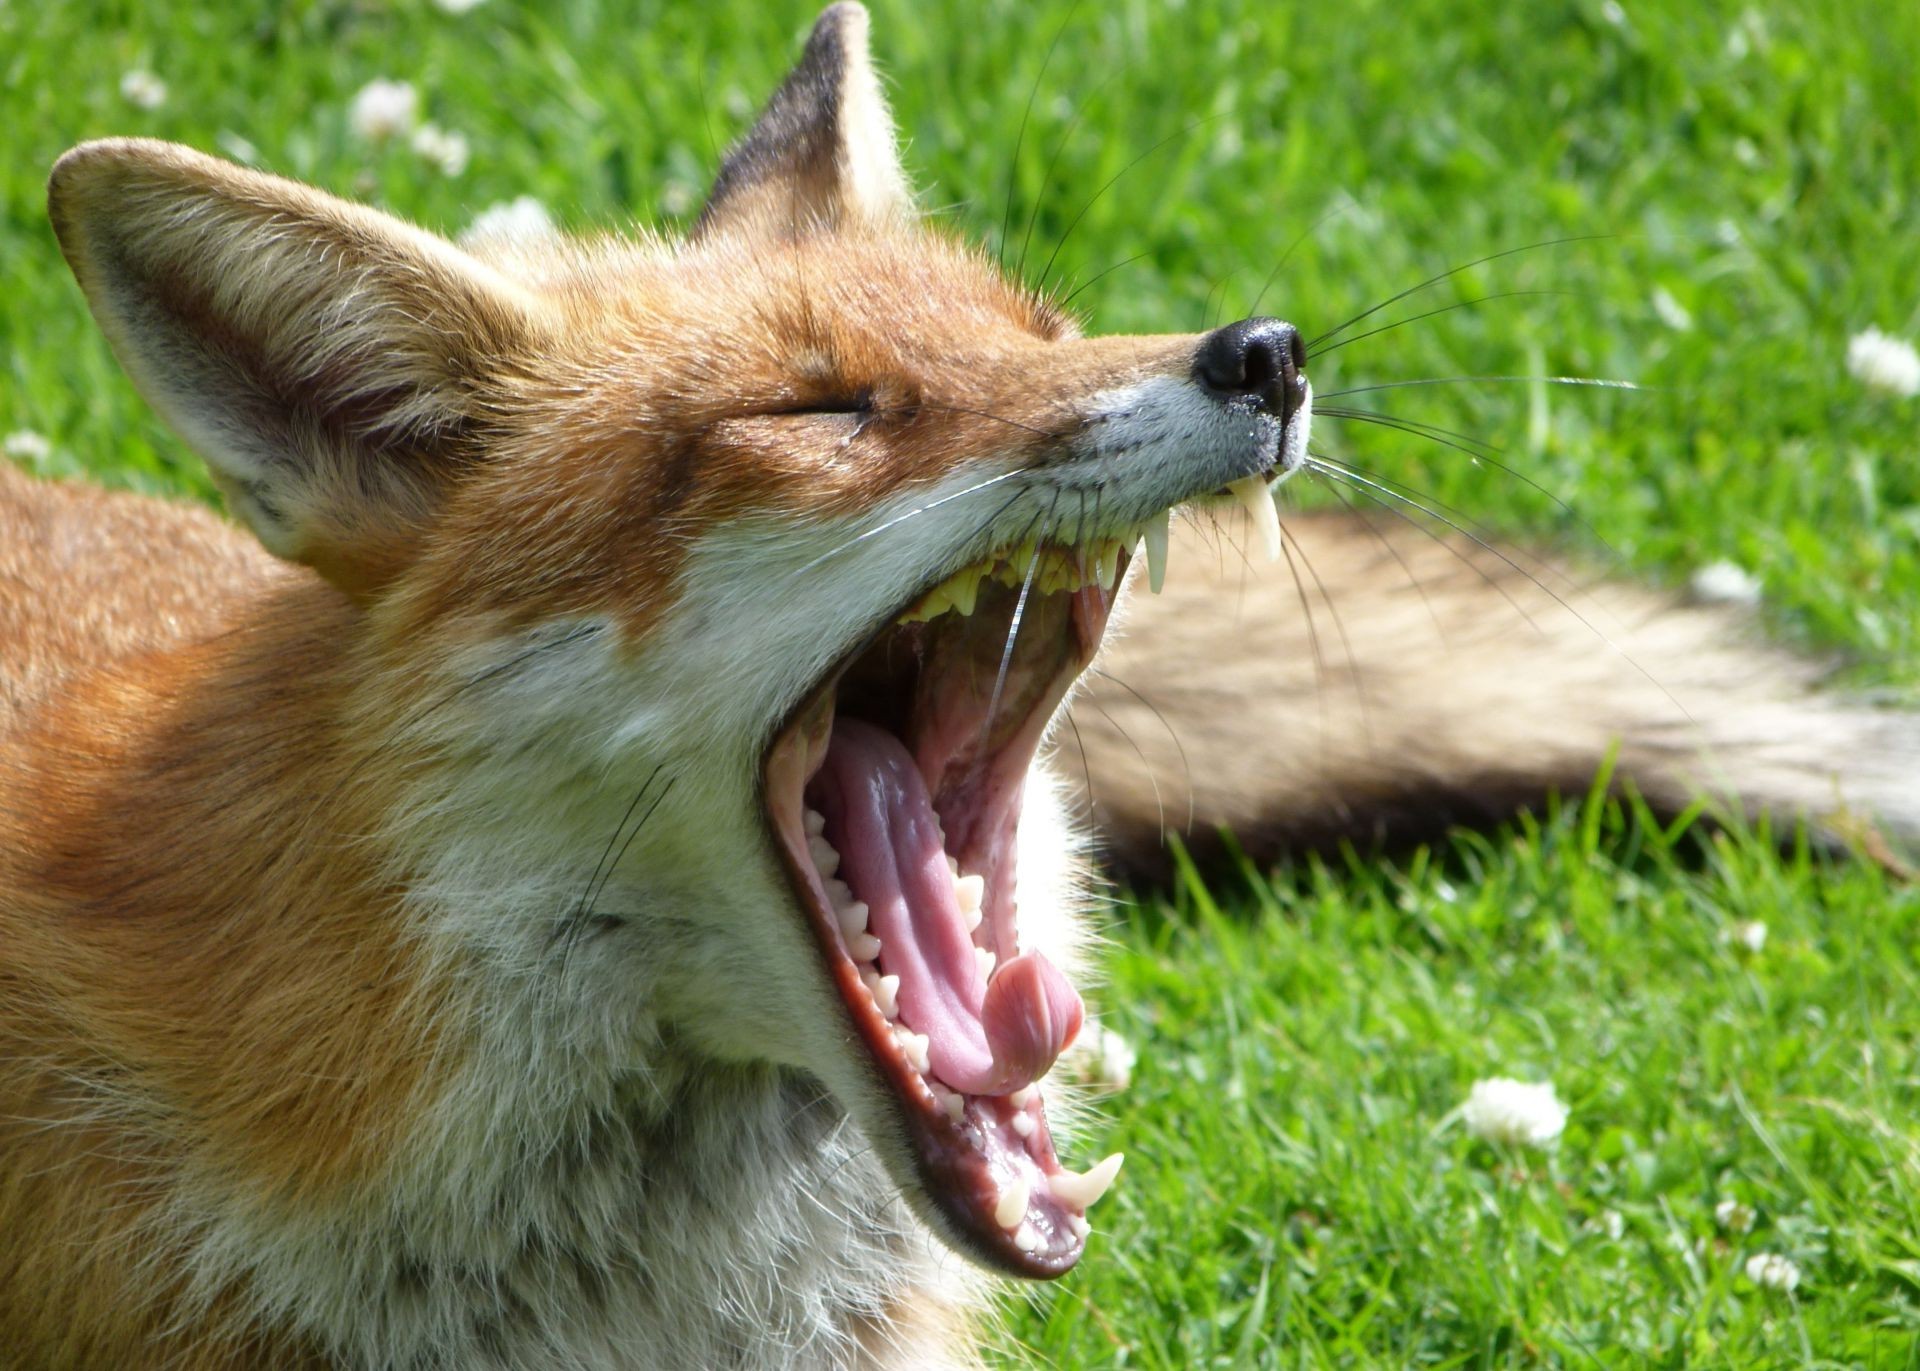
(589, 897)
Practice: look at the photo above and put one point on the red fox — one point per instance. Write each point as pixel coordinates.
(579, 886)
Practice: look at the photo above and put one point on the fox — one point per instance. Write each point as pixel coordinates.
(584, 870)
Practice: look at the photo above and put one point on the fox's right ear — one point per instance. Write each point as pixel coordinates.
(336, 367)
(822, 152)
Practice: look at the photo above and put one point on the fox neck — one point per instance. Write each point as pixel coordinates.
(423, 996)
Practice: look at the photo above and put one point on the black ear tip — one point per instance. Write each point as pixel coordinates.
(842, 26)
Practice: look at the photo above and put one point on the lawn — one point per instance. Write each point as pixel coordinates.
(1733, 193)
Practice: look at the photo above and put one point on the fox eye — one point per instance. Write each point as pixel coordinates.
(850, 402)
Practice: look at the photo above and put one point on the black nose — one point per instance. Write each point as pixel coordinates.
(1255, 360)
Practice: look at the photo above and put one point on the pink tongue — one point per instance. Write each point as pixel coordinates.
(982, 1038)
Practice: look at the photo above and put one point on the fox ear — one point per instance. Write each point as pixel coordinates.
(334, 366)
(822, 152)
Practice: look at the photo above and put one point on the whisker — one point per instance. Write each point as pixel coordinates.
(1019, 142)
(1173, 736)
(1123, 262)
(1054, 256)
(1393, 552)
(1320, 463)
(1253, 310)
(899, 519)
(1428, 314)
(1477, 448)
(1326, 466)
(1013, 627)
(1436, 280)
(1601, 382)
(1053, 162)
(1287, 546)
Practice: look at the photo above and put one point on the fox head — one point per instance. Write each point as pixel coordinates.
(711, 599)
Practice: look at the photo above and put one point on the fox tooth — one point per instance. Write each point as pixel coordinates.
(971, 892)
(1083, 1190)
(1026, 1239)
(814, 822)
(852, 917)
(1012, 1205)
(915, 1046)
(1252, 492)
(984, 958)
(1109, 563)
(863, 947)
(825, 859)
(1078, 1223)
(1021, 1098)
(1156, 538)
(1022, 1124)
(886, 995)
(973, 917)
(964, 588)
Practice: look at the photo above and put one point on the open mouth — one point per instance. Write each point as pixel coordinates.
(895, 791)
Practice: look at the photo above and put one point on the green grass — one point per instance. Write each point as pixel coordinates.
(1295, 1193)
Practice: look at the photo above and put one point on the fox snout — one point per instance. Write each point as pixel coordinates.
(1255, 364)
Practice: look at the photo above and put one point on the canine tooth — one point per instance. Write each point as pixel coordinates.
(813, 821)
(1012, 1205)
(965, 589)
(986, 961)
(886, 995)
(1156, 539)
(1083, 1190)
(1022, 1124)
(863, 947)
(1252, 492)
(1026, 1239)
(825, 860)
(970, 891)
(852, 917)
(1078, 1223)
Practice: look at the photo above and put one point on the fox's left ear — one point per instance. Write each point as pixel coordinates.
(822, 153)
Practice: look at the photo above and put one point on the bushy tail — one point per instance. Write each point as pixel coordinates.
(1404, 684)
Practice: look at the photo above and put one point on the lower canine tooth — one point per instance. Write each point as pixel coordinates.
(1081, 1191)
(1012, 1205)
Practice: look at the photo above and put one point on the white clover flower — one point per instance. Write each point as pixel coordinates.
(678, 198)
(520, 220)
(441, 147)
(24, 445)
(1733, 1216)
(1725, 583)
(1513, 1112)
(1771, 1271)
(1750, 934)
(1670, 311)
(383, 109)
(143, 90)
(1879, 361)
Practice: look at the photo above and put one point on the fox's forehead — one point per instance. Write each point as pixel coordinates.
(904, 294)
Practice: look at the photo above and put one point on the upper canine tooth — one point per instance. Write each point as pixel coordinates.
(964, 588)
(1156, 540)
(1252, 492)
(1081, 1191)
